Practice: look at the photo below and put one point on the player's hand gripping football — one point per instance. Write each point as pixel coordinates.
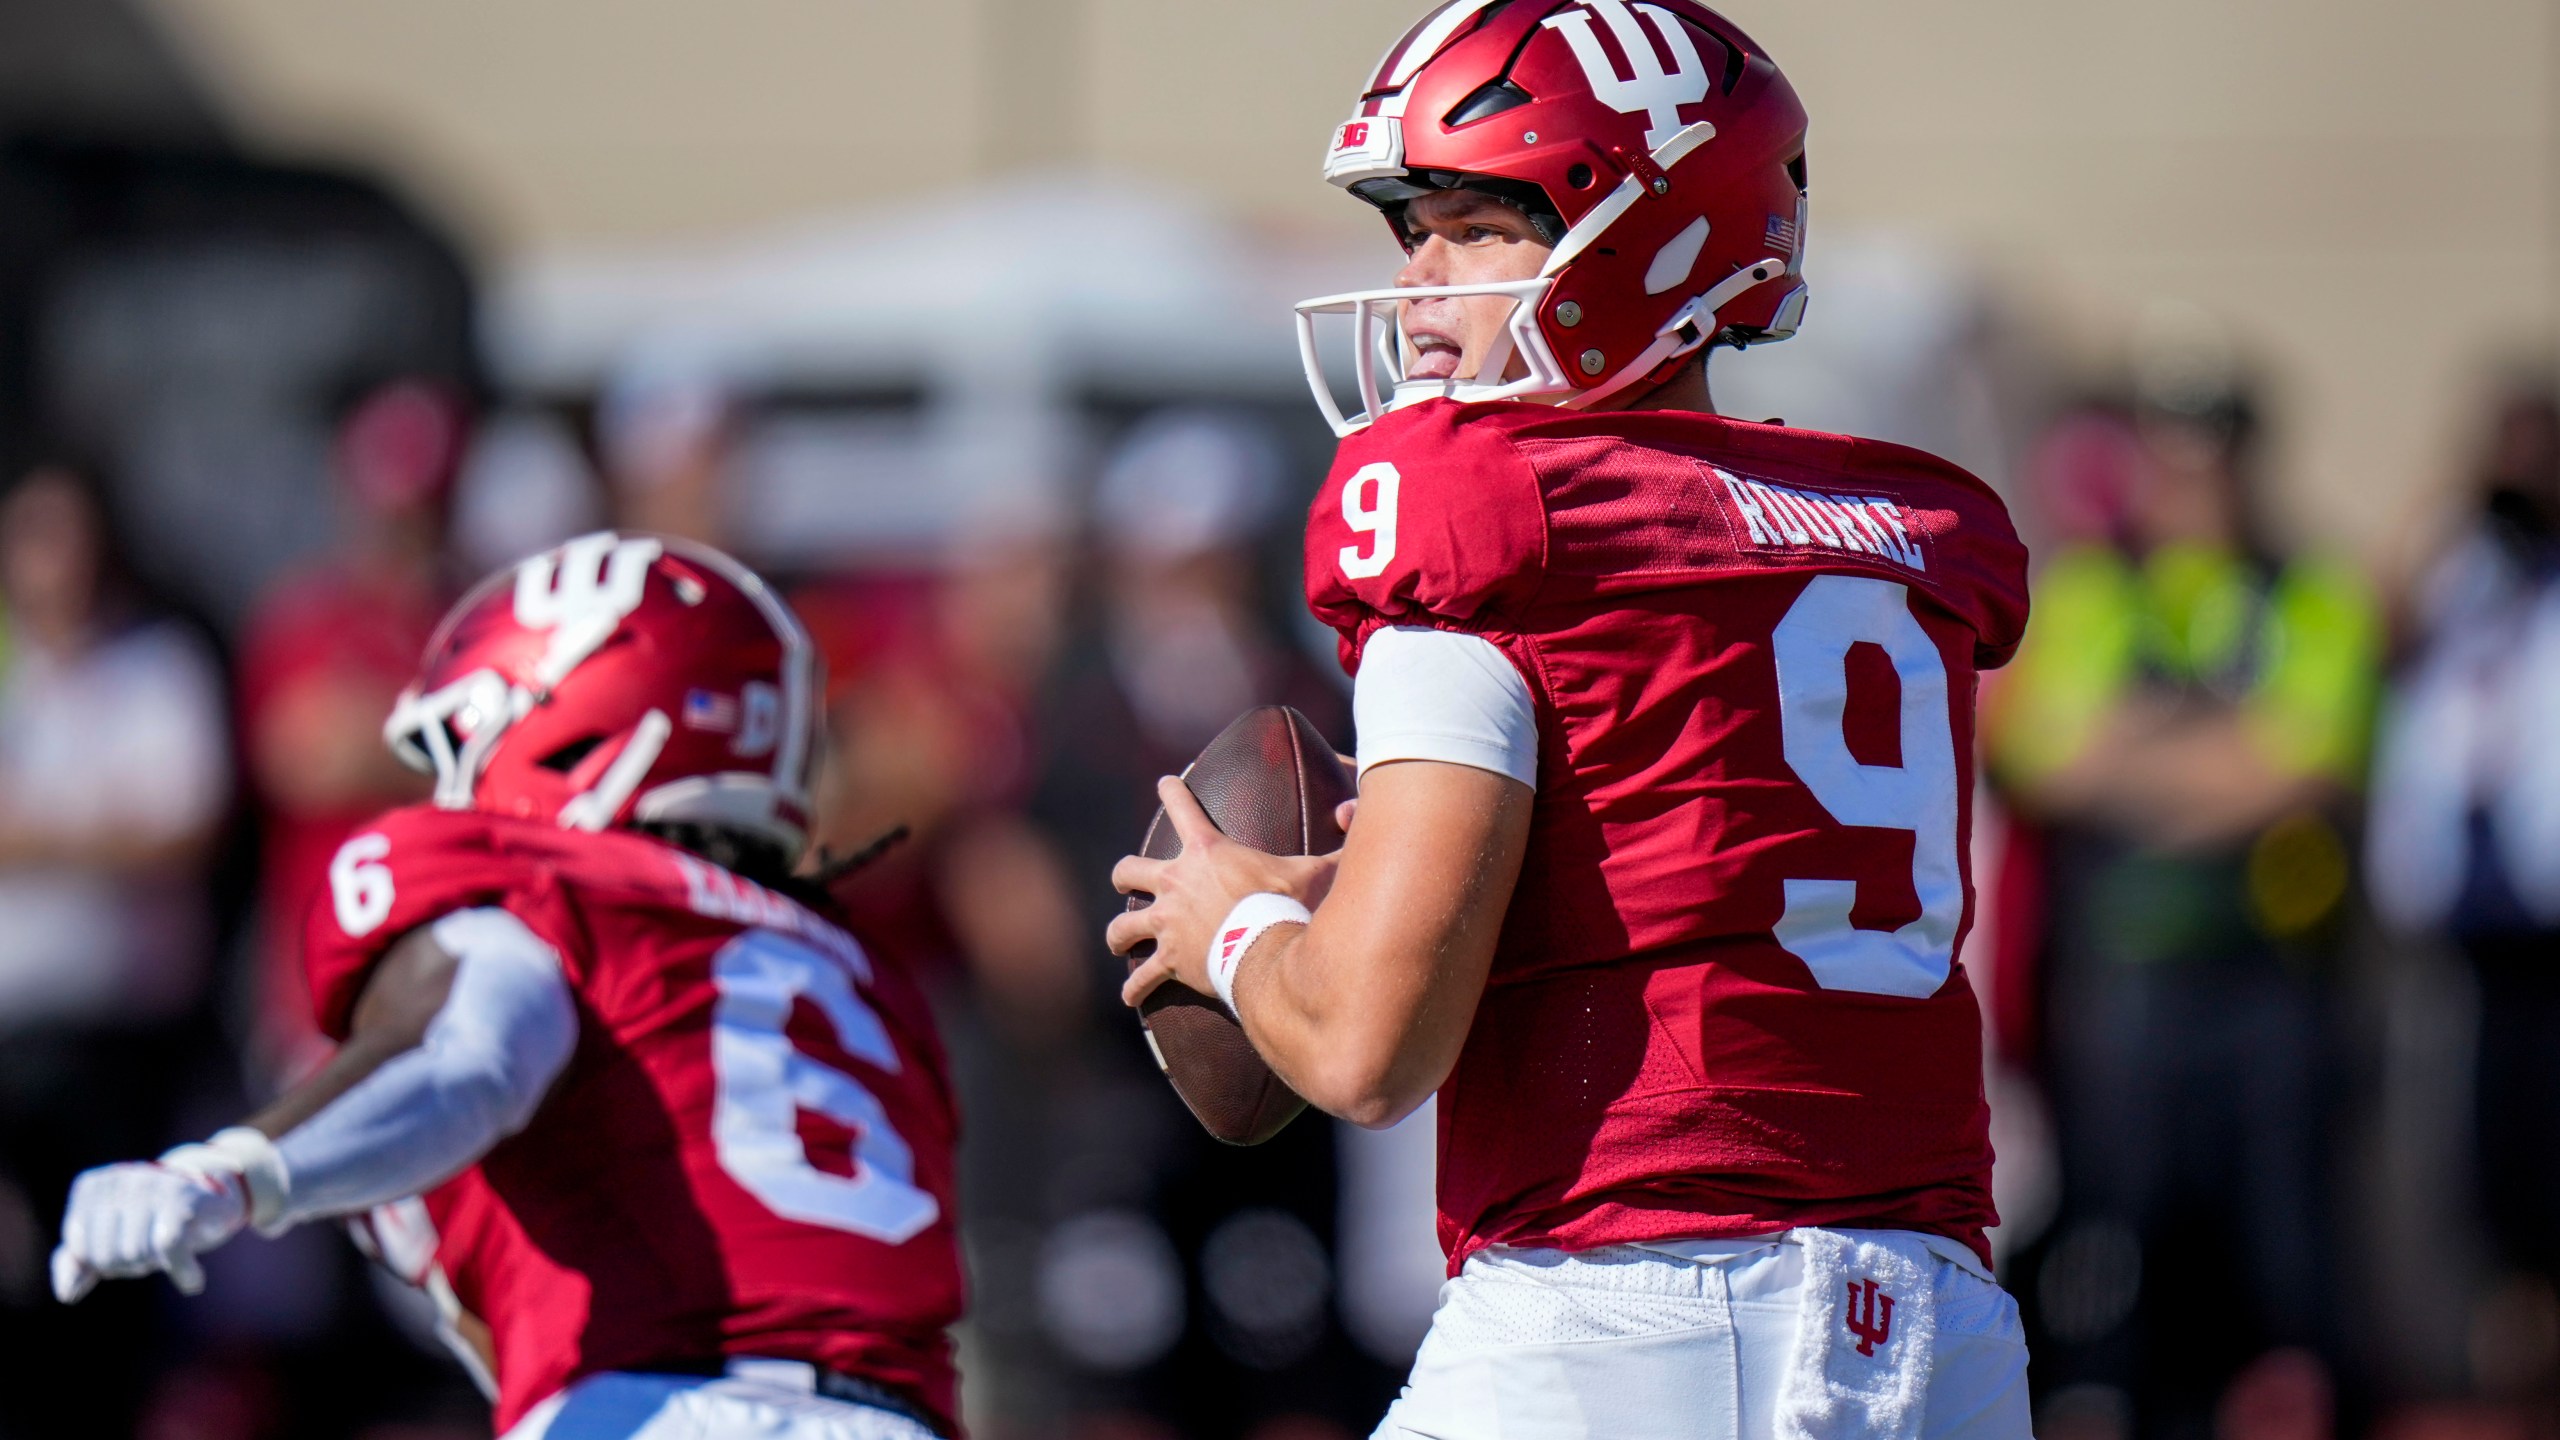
(156, 1215)
(1194, 891)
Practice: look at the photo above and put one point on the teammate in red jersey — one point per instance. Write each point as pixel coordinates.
(1658, 871)
(686, 1148)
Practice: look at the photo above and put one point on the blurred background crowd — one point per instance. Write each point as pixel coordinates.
(967, 322)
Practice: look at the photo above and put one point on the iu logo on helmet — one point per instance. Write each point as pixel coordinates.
(1648, 87)
(579, 593)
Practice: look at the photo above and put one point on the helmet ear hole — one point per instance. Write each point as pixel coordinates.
(1486, 102)
(566, 758)
(1579, 177)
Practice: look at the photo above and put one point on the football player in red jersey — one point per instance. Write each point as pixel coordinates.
(687, 1148)
(1658, 871)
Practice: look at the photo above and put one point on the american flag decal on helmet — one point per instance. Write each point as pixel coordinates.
(708, 710)
(1781, 234)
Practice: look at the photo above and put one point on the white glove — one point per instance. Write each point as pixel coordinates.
(137, 1218)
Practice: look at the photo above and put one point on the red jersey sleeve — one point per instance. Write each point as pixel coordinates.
(408, 868)
(1429, 517)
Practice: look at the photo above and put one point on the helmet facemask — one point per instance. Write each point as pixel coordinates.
(1688, 330)
(449, 733)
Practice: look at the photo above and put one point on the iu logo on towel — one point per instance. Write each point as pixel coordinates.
(1870, 1316)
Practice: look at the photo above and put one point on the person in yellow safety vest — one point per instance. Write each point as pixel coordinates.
(2186, 729)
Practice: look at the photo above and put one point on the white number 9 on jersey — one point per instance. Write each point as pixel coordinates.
(1369, 508)
(1919, 795)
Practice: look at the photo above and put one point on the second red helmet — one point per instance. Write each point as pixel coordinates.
(620, 681)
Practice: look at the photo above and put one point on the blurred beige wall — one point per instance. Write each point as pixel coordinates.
(2370, 192)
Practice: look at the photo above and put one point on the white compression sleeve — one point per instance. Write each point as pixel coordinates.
(505, 1033)
(1441, 695)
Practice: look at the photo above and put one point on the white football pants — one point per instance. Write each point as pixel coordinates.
(743, 1405)
(1633, 1344)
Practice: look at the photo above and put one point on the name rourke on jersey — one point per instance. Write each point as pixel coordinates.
(1782, 517)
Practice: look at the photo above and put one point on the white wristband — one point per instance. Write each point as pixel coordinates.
(1243, 926)
(252, 1158)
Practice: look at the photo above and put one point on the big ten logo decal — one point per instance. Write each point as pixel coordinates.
(1363, 145)
(1649, 87)
(580, 593)
(1369, 508)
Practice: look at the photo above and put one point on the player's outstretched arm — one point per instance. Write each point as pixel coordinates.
(1364, 1008)
(391, 1018)
(459, 1034)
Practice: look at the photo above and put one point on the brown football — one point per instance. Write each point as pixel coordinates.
(1270, 781)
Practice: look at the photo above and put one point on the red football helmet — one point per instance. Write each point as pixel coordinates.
(1656, 148)
(620, 680)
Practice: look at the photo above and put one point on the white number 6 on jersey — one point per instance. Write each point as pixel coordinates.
(764, 1082)
(1919, 795)
(1369, 508)
(360, 888)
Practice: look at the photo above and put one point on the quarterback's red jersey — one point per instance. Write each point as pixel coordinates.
(1724, 999)
(750, 1152)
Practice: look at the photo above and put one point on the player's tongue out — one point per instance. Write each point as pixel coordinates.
(1435, 356)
